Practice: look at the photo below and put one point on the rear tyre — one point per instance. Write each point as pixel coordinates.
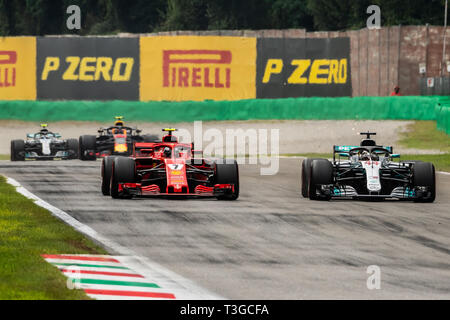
(123, 171)
(17, 150)
(321, 174)
(87, 145)
(306, 172)
(228, 173)
(107, 164)
(72, 146)
(424, 175)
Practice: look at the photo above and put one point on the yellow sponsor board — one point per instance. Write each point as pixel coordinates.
(18, 68)
(196, 68)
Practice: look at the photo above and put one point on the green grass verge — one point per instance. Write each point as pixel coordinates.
(425, 135)
(4, 157)
(26, 232)
(440, 161)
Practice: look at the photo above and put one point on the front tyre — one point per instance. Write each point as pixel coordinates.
(73, 148)
(424, 176)
(306, 172)
(17, 150)
(321, 174)
(123, 171)
(87, 148)
(228, 173)
(107, 166)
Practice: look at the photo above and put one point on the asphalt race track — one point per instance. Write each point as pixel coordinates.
(271, 243)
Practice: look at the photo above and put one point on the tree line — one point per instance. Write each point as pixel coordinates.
(44, 17)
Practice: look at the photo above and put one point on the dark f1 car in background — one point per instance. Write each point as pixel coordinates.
(44, 145)
(115, 140)
(370, 173)
(169, 168)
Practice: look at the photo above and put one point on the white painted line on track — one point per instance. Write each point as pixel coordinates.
(184, 289)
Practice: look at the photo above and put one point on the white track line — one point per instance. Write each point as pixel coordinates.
(183, 288)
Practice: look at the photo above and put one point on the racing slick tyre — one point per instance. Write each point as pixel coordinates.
(228, 173)
(87, 143)
(107, 164)
(151, 138)
(17, 150)
(72, 146)
(424, 176)
(306, 172)
(321, 174)
(123, 171)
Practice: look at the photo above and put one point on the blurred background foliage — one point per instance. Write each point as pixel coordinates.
(45, 17)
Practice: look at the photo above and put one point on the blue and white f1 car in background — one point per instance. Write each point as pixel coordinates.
(44, 145)
(368, 172)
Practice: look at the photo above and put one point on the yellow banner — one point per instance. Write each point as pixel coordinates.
(18, 68)
(197, 68)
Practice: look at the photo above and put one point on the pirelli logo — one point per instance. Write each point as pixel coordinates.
(8, 60)
(197, 68)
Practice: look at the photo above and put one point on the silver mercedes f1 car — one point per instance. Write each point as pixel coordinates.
(368, 171)
(44, 145)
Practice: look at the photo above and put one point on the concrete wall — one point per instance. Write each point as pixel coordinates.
(380, 59)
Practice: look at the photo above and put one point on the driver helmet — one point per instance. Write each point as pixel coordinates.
(364, 156)
(44, 129)
(119, 122)
(375, 156)
(167, 152)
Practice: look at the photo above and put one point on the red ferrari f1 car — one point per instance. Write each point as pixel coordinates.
(169, 168)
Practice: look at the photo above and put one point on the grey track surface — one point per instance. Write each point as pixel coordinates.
(298, 136)
(270, 244)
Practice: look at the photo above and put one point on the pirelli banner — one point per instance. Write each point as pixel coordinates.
(172, 68)
(303, 68)
(18, 68)
(87, 68)
(198, 68)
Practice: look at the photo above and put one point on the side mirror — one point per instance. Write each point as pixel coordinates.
(344, 154)
(138, 131)
(57, 135)
(395, 156)
(30, 135)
